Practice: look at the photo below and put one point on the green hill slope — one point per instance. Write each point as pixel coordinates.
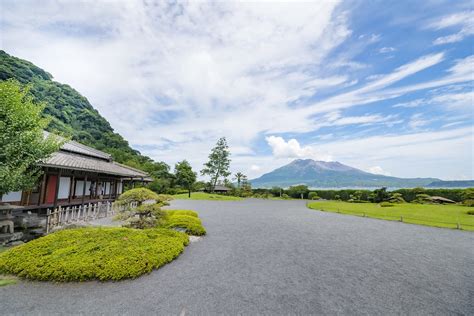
(71, 113)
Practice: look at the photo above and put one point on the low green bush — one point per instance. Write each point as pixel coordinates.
(191, 224)
(469, 203)
(470, 212)
(313, 196)
(386, 204)
(93, 254)
(182, 212)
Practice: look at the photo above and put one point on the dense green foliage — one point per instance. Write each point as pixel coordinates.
(22, 141)
(456, 195)
(185, 176)
(298, 191)
(424, 214)
(71, 114)
(379, 195)
(185, 220)
(313, 196)
(93, 253)
(218, 164)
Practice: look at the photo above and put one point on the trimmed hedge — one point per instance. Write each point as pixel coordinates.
(93, 254)
(179, 219)
(182, 212)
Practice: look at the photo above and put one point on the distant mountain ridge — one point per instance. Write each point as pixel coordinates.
(333, 174)
(452, 184)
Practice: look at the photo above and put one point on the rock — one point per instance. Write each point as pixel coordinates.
(6, 238)
(15, 243)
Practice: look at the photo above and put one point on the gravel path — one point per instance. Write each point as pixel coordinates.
(277, 257)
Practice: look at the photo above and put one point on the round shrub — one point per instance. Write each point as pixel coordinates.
(138, 195)
(192, 225)
(313, 196)
(93, 254)
(182, 212)
(386, 204)
(470, 212)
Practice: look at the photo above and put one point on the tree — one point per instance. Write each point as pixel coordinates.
(298, 191)
(148, 210)
(380, 195)
(313, 196)
(185, 176)
(240, 177)
(396, 198)
(218, 164)
(276, 191)
(22, 140)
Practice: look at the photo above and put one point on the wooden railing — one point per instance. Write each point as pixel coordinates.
(61, 216)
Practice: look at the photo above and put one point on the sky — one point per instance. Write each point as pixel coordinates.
(384, 86)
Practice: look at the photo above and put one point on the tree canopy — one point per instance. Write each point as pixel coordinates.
(22, 139)
(219, 162)
(185, 176)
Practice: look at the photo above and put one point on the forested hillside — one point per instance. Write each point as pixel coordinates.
(71, 113)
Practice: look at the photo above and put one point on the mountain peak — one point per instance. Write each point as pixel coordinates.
(316, 173)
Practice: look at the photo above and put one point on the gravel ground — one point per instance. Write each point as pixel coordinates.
(277, 257)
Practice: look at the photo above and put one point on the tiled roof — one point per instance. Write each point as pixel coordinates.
(67, 160)
(76, 147)
(76, 156)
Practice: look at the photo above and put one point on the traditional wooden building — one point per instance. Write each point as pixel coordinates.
(76, 175)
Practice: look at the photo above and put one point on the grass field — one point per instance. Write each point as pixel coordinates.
(206, 196)
(447, 216)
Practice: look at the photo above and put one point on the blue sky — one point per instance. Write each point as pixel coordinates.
(385, 86)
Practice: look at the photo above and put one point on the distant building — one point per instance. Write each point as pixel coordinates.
(219, 189)
(78, 183)
(76, 174)
(440, 200)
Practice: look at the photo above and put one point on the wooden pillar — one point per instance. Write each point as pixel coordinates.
(42, 189)
(72, 188)
(57, 189)
(84, 190)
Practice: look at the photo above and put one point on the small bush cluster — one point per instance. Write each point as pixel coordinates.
(182, 212)
(386, 204)
(470, 212)
(469, 203)
(93, 254)
(186, 220)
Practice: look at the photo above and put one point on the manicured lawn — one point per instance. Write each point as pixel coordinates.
(423, 214)
(93, 254)
(206, 196)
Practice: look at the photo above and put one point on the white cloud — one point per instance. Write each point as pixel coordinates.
(417, 121)
(378, 170)
(461, 100)
(462, 20)
(255, 168)
(416, 154)
(411, 104)
(292, 149)
(385, 50)
(213, 69)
